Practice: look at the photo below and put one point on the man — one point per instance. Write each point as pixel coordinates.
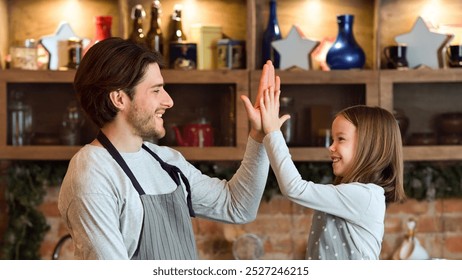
(123, 198)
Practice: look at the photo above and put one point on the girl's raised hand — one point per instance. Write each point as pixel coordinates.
(268, 80)
(269, 108)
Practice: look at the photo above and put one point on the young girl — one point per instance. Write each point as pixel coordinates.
(366, 153)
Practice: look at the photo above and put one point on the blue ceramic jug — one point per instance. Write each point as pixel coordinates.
(345, 53)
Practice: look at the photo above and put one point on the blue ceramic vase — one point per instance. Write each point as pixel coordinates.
(345, 53)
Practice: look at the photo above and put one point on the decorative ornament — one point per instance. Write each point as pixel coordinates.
(320, 52)
(423, 45)
(345, 53)
(56, 45)
(295, 50)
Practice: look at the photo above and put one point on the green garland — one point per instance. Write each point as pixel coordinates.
(26, 187)
(433, 180)
(422, 180)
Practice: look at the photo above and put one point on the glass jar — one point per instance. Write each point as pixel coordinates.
(71, 125)
(20, 120)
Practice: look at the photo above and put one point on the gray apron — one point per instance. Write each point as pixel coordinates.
(167, 232)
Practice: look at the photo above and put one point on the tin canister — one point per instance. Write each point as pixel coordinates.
(74, 52)
(183, 56)
(231, 54)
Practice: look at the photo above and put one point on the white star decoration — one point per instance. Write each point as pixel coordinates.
(423, 45)
(51, 43)
(295, 50)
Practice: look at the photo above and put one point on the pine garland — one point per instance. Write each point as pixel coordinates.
(27, 226)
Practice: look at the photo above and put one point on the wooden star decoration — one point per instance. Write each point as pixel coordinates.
(423, 45)
(51, 43)
(295, 50)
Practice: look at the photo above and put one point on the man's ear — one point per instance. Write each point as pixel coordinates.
(118, 98)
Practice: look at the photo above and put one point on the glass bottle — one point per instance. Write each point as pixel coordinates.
(178, 35)
(154, 38)
(345, 53)
(138, 15)
(288, 128)
(272, 33)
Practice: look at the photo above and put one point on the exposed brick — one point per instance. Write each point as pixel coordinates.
(50, 209)
(453, 244)
(451, 205)
(277, 205)
(283, 227)
(410, 206)
(429, 224)
(393, 224)
(452, 224)
(208, 227)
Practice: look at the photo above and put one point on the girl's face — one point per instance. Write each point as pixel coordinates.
(343, 148)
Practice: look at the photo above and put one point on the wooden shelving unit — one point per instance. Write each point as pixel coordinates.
(376, 24)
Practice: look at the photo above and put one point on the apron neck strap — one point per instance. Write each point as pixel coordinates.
(173, 171)
(118, 158)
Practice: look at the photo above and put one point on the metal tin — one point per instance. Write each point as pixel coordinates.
(231, 54)
(74, 52)
(183, 56)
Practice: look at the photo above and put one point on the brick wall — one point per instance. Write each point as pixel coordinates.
(283, 229)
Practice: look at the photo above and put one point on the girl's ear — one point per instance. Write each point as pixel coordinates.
(118, 98)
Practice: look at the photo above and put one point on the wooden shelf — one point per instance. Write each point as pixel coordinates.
(38, 152)
(66, 153)
(432, 153)
(36, 76)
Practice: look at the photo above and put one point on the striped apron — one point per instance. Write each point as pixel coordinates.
(167, 232)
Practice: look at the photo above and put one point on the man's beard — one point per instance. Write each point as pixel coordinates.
(144, 125)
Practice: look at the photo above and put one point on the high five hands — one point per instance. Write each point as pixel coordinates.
(264, 115)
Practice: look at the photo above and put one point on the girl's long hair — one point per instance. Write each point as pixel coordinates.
(379, 155)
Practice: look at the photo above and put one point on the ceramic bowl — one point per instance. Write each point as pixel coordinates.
(423, 139)
(450, 139)
(450, 123)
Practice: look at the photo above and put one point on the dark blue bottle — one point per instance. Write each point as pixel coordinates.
(271, 34)
(345, 53)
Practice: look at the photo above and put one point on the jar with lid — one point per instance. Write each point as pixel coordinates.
(289, 126)
(74, 49)
(103, 26)
(24, 55)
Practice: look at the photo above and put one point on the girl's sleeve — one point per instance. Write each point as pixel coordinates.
(348, 200)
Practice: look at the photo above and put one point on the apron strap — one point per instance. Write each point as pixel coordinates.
(172, 170)
(118, 158)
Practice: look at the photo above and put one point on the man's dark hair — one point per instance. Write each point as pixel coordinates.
(110, 65)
